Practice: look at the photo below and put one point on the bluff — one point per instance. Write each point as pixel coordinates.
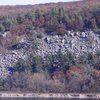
(77, 43)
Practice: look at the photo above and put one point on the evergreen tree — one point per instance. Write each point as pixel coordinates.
(61, 14)
(54, 12)
(7, 22)
(81, 22)
(2, 28)
(20, 18)
(30, 16)
(36, 63)
(21, 66)
(66, 18)
(94, 25)
(37, 14)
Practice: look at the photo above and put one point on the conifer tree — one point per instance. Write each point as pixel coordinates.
(94, 25)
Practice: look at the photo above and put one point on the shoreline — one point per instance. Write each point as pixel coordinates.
(50, 95)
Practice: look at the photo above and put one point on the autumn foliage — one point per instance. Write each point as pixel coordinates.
(57, 18)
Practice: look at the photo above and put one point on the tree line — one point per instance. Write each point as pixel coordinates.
(58, 20)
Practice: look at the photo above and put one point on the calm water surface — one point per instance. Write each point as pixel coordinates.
(41, 99)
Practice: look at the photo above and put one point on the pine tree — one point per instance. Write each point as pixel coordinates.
(81, 22)
(61, 14)
(94, 25)
(54, 12)
(37, 14)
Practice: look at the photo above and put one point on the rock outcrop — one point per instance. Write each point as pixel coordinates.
(75, 42)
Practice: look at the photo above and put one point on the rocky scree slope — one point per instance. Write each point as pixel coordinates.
(75, 42)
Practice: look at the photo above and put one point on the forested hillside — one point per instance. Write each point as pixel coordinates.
(58, 18)
(50, 47)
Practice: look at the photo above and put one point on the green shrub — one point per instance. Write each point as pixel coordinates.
(21, 66)
(2, 28)
(36, 63)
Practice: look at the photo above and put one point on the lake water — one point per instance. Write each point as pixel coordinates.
(40, 99)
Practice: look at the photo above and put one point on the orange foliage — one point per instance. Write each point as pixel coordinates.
(97, 72)
(74, 69)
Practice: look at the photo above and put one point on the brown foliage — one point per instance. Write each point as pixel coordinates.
(19, 29)
(75, 6)
(58, 75)
(40, 22)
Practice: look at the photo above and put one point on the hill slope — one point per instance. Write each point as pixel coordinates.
(8, 10)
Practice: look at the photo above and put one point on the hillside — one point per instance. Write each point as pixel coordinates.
(8, 10)
(52, 47)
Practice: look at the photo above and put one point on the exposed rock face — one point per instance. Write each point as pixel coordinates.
(8, 60)
(75, 42)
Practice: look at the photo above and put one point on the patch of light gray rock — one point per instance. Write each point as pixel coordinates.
(76, 42)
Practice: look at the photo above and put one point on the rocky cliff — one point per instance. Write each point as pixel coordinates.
(75, 42)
